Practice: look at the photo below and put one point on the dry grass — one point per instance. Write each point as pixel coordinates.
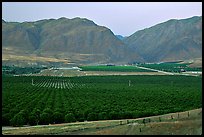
(197, 62)
(31, 58)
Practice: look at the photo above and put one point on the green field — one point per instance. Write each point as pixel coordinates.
(114, 68)
(70, 99)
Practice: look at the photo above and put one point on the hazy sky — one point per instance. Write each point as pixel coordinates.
(122, 18)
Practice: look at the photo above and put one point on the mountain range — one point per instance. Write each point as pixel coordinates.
(80, 41)
(171, 40)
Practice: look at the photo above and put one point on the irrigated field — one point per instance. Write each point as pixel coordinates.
(46, 100)
(114, 68)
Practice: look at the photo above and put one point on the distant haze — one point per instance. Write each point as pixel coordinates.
(123, 18)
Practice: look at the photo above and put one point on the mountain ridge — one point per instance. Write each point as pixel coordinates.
(81, 41)
(77, 39)
(174, 34)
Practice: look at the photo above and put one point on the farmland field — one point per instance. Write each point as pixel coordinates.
(42, 100)
(114, 68)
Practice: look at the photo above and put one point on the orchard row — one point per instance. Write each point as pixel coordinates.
(43, 100)
(55, 83)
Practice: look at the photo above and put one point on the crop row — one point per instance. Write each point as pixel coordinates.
(52, 83)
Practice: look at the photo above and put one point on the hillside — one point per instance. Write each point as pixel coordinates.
(76, 40)
(168, 41)
(120, 37)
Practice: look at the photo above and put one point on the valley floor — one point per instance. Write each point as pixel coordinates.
(73, 73)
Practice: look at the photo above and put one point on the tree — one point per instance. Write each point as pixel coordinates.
(32, 120)
(69, 118)
(34, 117)
(58, 117)
(102, 116)
(79, 116)
(113, 115)
(47, 116)
(5, 119)
(92, 116)
(128, 114)
(18, 120)
(137, 114)
(13, 112)
(44, 118)
(47, 110)
(25, 114)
